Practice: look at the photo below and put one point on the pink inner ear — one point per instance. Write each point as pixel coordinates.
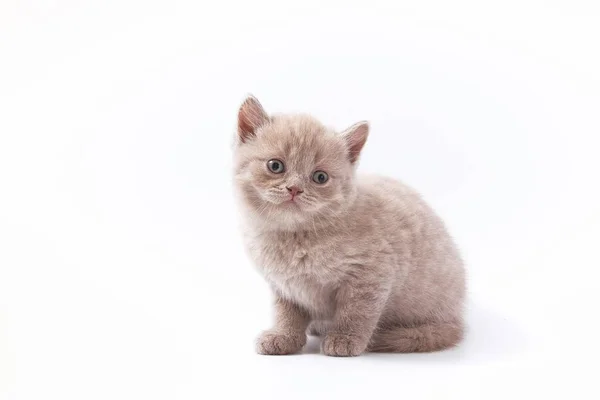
(356, 138)
(245, 128)
(250, 117)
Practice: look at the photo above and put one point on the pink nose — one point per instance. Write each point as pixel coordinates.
(294, 190)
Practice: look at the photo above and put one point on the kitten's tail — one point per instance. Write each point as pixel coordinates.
(423, 338)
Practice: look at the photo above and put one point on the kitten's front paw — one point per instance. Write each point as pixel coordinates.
(340, 345)
(276, 343)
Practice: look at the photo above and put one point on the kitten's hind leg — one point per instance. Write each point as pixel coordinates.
(423, 338)
(318, 328)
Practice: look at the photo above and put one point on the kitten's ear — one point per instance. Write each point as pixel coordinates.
(251, 116)
(355, 138)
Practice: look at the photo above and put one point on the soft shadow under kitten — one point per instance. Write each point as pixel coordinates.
(363, 262)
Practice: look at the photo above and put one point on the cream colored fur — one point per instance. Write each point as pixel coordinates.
(362, 261)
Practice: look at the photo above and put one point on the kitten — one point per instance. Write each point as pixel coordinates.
(361, 261)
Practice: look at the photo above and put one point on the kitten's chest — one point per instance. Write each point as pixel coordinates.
(291, 254)
(301, 267)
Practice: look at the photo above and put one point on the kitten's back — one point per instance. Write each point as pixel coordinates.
(432, 281)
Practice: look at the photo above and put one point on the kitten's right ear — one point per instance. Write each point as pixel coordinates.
(251, 116)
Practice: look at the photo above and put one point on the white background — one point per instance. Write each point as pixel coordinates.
(122, 274)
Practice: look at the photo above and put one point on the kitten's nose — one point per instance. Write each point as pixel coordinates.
(294, 190)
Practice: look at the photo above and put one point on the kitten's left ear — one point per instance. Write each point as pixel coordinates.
(355, 138)
(251, 116)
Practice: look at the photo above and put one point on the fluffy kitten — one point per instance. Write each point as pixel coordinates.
(362, 261)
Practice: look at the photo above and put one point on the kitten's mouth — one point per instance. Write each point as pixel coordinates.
(291, 202)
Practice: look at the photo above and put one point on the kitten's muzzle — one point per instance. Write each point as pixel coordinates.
(294, 191)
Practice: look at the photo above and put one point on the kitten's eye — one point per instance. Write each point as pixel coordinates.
(320, 177)
(276, 166)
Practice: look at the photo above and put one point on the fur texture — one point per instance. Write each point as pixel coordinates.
(362, 261)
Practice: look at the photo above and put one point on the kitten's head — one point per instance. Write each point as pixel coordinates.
(290, 170)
